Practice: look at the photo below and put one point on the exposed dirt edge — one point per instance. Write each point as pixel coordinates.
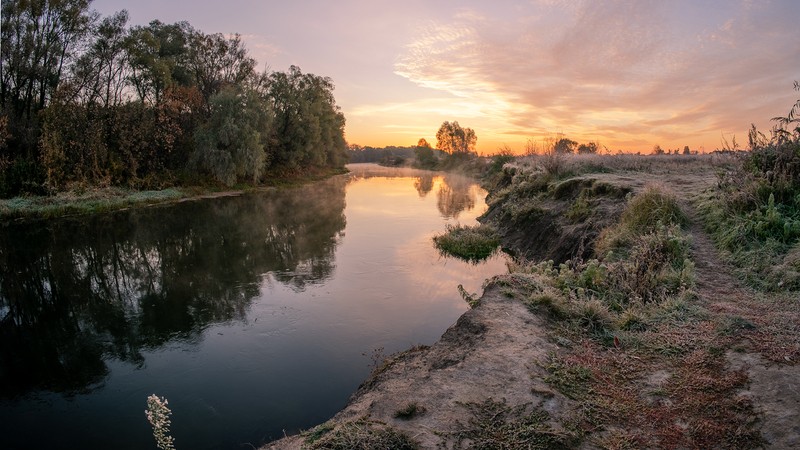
(496, 350)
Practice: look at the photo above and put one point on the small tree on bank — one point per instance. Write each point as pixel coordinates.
(424, 154)
(455, 140)
(588, 149)
(564, 146)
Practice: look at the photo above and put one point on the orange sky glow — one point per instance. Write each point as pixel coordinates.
(629, 74)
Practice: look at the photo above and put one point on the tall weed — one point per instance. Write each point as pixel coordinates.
(754, 213)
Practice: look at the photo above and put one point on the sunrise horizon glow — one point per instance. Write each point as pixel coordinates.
(626, 74)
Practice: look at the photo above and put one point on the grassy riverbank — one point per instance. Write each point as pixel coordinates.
(94, 200)
(644, 333)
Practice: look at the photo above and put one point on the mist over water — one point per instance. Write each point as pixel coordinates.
(252, 314)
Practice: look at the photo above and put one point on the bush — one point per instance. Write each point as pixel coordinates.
(754, 213)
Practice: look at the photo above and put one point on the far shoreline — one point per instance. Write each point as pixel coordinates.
(98, 200)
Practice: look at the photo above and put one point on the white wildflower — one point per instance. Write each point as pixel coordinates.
(158, 413)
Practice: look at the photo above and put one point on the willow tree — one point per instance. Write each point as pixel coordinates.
(309, 126)
(231, 144)
(455, 140)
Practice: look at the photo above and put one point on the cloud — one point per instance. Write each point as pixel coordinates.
(261, 48)
(621, 71)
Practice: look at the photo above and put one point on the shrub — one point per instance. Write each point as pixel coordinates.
(754, 213)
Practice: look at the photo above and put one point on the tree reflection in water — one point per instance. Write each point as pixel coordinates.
(74, 293)
(424, 184)
(457, 193)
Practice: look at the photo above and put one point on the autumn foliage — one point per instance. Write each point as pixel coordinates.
(91, 101)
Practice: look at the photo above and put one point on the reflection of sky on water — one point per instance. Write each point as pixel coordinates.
(250, 314)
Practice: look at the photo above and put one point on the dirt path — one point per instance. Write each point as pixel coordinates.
(773, 378)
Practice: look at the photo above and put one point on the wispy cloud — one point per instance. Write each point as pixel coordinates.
(261, 48)
(630, 73)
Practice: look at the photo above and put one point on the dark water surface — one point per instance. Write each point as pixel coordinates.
(252, 314)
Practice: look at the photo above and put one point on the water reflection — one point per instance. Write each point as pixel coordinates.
(424, 184)
(456, 193)
(77, 292)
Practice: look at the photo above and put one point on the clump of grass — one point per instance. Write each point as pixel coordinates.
(470, 243)
(568, 378)
(497, 425)
(732, 325)
(408, 412)
(644, 213)
(362, 434)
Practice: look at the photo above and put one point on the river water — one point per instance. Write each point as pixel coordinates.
(254, 315)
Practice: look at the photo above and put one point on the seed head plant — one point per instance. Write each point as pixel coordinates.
(158, 414)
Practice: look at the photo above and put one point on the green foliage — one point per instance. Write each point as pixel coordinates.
(580, 208)
(564, 146)
(588, 149)
(657, 267)
(133, 106)
(754, 213)
(570, 379)
(640, 270)
(644, 213)
(425, 157)
(309, 127)
(39, 39)
(472, 244)
(21, 176)
(230, 145)
(498, 160)
(216, 61)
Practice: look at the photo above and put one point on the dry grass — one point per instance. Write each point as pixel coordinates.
(655, 164)
(362, 434)
(498, 425)
(695, 404)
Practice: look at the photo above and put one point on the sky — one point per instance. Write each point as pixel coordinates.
(627, 74)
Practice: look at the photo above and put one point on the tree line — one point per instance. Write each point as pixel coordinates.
(91, 100)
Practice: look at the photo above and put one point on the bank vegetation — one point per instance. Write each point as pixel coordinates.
(92, 102)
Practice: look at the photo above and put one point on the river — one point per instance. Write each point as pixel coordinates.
(254, 315)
